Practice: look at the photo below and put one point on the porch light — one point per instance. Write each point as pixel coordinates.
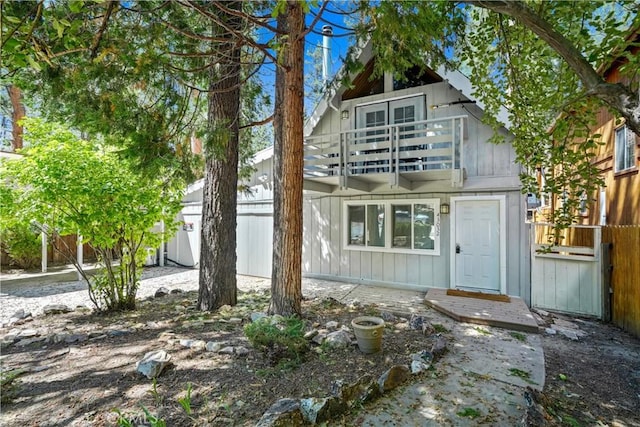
(344, 114)
(444, 208)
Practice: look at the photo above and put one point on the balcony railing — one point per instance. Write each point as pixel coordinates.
(397, 150)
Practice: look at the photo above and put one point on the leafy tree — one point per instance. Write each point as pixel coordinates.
(539, 60)
(68, 185)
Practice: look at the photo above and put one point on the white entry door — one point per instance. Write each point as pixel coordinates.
(476, 247)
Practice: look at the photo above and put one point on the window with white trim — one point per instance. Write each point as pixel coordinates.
(399, 225)
(624, 149)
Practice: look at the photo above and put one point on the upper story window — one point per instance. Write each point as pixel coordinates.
(624, 149)
(406, 226)
(395, 111)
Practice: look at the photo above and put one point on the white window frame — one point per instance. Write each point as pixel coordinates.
(416, 100)
(622, 161)
(388, 240)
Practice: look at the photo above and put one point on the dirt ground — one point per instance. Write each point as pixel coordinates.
(592, 381)
(595, 380)
(83, 383)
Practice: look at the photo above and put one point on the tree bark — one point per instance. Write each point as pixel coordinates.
(286, 277)
(17, 113)
(219, 205)
(617, 96)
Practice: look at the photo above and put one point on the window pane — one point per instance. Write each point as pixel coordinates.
(375, 225)
(401, 226)
(630, 155)
(423, 226)
(624, 149)
(356, 225)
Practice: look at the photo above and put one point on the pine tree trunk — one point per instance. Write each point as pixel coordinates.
(218, 243)
(286, 278)
(17, 113)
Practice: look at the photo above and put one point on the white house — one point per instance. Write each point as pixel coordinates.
(402, 188)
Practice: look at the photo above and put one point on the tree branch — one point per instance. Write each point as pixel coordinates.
(258, 123)
(103, 27)
(615, 95)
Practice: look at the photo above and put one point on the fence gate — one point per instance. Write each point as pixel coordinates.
(567, 277)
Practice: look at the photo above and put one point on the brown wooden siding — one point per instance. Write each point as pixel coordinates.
(546, 235)
(625, 276)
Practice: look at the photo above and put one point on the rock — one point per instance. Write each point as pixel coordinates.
(416, 322)
(320, 410)
(439, 347)
(28, 341)
(387, 316)
(19, 316)
(338, 339)
(55, 309)
(69, 339)
(568, 333)
(418, 366)
(535, 414)
(213, 346)
(257, 316)
(541, 312)
(353, 304)
(166, 336)
(393, 377)
(186, 342)
(283, 413)
(176, 291)
(421, 361)
(235, 320)
(550, 331)
(332, 325)
(363, 390)
(198, 345)
(319, 337)
(118, 332)
(161, 292)
(401, 326)
(310, 334)
(28, 333)
(152, 364)
(239, 350)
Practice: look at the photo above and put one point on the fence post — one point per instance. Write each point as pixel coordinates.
(605, 271)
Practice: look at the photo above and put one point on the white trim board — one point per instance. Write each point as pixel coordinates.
(502, 199)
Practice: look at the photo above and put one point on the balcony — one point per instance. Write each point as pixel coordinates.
(397, 155)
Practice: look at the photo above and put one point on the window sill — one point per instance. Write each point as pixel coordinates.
(433, 252)
(626, 172)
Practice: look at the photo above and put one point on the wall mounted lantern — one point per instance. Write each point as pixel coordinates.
(344, 114)
(444, 208)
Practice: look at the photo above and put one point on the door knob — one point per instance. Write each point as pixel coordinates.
(458, 249)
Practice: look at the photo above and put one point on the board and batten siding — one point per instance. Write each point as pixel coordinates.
(325, 256)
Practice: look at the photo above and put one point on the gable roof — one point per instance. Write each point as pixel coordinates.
(335, 90)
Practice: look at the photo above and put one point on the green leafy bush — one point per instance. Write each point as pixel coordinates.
(22, 245)
(278, 337)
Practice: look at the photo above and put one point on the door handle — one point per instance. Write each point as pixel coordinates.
(458, 249)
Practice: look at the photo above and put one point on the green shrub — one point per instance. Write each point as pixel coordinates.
(278, 338)
(8, 387)
(22, 244)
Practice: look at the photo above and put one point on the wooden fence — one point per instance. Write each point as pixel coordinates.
(625, 275)
(565, 273)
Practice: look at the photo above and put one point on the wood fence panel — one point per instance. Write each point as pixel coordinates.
(625, 276)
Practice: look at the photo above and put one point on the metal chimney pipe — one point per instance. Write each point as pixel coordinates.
(327, 32)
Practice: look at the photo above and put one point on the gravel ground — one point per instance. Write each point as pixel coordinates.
(32, 297)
